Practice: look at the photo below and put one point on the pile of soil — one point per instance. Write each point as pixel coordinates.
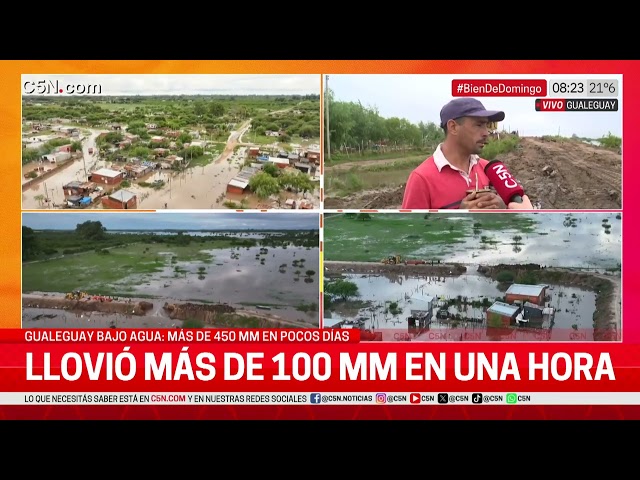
(124, 308)
(206, 313)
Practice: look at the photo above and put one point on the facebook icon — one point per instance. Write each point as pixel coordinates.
(315, 398)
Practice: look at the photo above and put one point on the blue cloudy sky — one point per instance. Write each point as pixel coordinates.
(182, 84)
(420, 98)
(184, 221)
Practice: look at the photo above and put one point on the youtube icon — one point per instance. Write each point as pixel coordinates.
(414, 398)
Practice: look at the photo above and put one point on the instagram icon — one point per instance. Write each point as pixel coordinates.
(381, 398)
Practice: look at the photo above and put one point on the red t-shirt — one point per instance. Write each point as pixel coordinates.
(436, 184)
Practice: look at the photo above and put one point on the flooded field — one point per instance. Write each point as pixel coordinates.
(575, 255)
(466, 297)
(271, 273)
(552, 239)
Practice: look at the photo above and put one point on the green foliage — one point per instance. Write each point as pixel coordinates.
(342, 289)
(296, 114)
(356, 126)
(500, 146)
(610, 141)
(505, 276)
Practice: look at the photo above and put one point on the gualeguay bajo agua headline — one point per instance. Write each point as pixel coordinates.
(302, 366)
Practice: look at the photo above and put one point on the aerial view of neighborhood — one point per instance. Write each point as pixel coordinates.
(171, 142)
(170, 270)
(475, 276)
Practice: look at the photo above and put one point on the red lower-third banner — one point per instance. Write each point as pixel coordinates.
(33, 362)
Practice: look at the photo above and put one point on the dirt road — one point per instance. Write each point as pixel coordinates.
(198, 188)
(63, 175)
(52, 310)
(565, 174)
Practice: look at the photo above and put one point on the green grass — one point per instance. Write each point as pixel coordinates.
(340, 183)
(351, 239)
(497, 147)
(338, 158)
(94, 273)
(119, 106)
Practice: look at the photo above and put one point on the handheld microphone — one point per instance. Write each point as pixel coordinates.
(506, 186)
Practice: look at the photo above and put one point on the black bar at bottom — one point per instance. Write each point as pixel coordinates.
(591, 105)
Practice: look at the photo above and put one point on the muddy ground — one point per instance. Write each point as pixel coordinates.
(441, 270)
(564, 174)
(158, 313)
(608, 315)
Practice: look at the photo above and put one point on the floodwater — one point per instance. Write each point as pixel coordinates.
(239, 276)
(574, 308)
(560, 240)
(195, 188)
(576, 240)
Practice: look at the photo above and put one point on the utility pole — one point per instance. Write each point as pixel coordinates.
(326, 113)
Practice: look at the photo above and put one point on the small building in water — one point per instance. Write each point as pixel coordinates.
(526, 293)
(502, 314)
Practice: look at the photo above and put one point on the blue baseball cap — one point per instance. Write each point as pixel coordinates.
(467, 107)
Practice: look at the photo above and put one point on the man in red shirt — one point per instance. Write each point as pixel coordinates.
(442, 180)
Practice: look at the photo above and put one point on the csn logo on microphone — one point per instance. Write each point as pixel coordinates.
(502, 173)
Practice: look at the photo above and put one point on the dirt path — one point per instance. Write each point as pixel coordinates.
(103, 313)
(566, 174)
(362, 163)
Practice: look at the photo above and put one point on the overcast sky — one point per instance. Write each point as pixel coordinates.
(420, 98)
(180, 84)
(184, 221)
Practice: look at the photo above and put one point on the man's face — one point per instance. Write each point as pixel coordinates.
(472, 134)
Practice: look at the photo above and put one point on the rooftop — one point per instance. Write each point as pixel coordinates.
(528, 290)
(503, 308)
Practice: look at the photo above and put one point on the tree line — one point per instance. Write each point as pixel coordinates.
(298, 114)
(92, 235)
(353, 126)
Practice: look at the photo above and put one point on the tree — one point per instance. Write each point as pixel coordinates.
(342, 288)
(91, 230)
(264, 185)
(30, 247)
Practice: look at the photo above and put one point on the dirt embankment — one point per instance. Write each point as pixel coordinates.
(123, 308)
(206, 313)
(441, 270)
(559, 174)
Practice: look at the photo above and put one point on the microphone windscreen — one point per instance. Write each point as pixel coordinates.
(501, 179)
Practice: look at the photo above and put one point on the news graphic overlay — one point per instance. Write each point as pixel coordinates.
(155, 141)
(170, 270)
(540, 127)
(283, 366)
(445, 277)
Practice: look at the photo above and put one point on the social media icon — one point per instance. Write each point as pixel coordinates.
(315, 398)
(512, 398)
(381, 398)
(414, 398)
(476, 398)
(443, 398)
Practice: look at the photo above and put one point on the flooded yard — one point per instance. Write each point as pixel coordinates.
(466, 297)
(575, 255)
